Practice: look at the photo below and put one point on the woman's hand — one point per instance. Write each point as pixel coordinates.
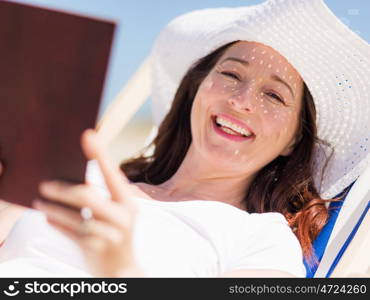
(106, 237)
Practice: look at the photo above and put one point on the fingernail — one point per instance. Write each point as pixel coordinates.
(45, 186)
(90, 132)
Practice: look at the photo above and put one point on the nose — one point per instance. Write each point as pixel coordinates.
(244, 100)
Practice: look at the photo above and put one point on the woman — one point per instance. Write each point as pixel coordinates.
(239, 139)
(233, 135)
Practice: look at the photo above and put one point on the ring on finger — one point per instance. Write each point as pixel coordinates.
(87, 217)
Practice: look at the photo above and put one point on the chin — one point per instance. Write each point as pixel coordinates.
(223, 156)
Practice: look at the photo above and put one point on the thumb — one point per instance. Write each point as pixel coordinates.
(115, 180)
(89, 145)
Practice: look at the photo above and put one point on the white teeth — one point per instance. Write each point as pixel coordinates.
(232, 126)
(229, 131)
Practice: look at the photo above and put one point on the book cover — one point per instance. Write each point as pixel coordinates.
(52, 70)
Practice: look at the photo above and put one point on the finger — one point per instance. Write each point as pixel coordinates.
(116, 181)
(68, 217)
(64, 230)
(82, 195)
(75, 195)
(95, 230)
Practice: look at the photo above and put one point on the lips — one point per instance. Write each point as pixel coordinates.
(232, 129)
(234, 124)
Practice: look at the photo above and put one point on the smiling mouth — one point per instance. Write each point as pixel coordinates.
(230, 130)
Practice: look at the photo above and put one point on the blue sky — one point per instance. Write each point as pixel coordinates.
(140, 21)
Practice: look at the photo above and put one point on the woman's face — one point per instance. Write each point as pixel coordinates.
(246, 111)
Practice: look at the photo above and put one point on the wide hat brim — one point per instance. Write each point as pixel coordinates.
(333, 61)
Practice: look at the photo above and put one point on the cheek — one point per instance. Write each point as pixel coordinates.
(207, 84)
(279, 122)
(211, 93)
(202, 101)
(200, 111)
(219, 85)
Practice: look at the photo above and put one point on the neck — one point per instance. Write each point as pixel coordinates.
(198, 179)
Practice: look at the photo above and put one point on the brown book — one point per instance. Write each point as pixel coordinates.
(52, 70)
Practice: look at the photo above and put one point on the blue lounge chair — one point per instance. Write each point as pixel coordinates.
(345, 219)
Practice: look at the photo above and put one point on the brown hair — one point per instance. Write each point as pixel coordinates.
(285, 185)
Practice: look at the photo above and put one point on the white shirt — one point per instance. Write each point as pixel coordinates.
(195, 238)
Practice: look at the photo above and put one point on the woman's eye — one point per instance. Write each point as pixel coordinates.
(273, 95)
(231, 75)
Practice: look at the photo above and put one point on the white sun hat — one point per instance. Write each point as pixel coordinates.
(333, 61)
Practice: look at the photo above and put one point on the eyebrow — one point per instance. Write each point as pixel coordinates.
(273, 77)
(277, 78)
(242, 61)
